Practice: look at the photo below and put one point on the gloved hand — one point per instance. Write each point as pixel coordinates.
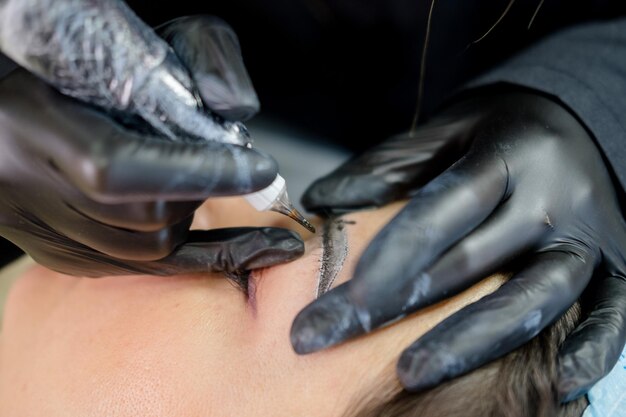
(529, 185)
(85, 196)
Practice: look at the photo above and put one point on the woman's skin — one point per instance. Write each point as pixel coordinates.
(194, 345)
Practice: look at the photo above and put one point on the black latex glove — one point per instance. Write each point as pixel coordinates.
(210, 48)
(531, 183)
(84, 196)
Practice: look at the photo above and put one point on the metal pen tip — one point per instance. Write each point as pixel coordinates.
(282, 205)
(295, 215)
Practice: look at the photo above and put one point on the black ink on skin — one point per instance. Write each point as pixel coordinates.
(334, 253)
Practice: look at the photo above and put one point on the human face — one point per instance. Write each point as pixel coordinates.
(194, 345)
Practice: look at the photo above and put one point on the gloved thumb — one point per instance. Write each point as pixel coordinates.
(229, 250)
(210, 50)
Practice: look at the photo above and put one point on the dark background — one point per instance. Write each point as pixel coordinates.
(348, 69)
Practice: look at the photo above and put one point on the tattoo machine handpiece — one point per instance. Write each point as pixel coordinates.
(102, 54)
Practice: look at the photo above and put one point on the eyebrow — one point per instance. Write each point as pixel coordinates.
(334, 253)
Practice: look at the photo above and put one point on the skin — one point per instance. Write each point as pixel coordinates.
(194, 345)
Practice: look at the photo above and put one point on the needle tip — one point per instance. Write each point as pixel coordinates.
(295, 215)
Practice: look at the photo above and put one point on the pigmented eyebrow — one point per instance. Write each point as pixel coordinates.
(334, 253)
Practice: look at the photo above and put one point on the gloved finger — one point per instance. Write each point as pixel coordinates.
(389, 171)
(231, 250)
(591, 351)
(209, 48)
(499, 322)
(151, 170)
(125, 244)
(505, 235)
(114, 165)
(389, 279)
(389, 276)
(328, 321)
(218, 250)
(333, 318)
(141, 217)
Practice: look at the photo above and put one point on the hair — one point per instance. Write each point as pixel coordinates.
(520, 384)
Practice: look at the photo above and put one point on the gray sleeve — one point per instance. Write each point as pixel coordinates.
(585, 68)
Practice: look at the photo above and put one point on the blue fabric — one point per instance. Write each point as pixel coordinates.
(608, 397)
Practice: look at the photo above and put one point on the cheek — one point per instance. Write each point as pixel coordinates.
(116, 347)
(281, 292)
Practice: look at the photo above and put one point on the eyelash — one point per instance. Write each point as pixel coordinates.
(240, 279)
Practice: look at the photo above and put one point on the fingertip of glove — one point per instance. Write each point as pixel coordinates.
(277, 246)
(209, 48)
(310, 330)
(337, 194)
(570, 386)
(231, 100)
(236, 111)
(285, 240)
(326, 322)
(568, 391)
(419, 369)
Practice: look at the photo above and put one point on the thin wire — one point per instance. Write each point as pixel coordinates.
(420, 87)
(508, 7)
(532, 19)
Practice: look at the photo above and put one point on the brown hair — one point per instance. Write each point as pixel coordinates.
(520, 384)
